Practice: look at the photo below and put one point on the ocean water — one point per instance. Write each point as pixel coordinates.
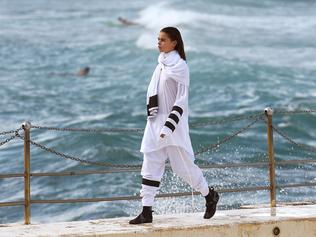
(243, 55)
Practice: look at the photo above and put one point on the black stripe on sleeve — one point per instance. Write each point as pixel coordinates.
(174, 117)
(170, 125)
(177, 108)
(153, 101)
(150, 182)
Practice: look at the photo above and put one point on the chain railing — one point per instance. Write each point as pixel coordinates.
(12, 137)
(289, 112)
(114, 130)
(106, 164)
(291, 141)
(90, 130)
(60, 154)
(227, 138)
(228, 120)
(254, 118)
(7, 140)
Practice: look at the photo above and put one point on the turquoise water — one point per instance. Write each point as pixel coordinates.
(243, 56)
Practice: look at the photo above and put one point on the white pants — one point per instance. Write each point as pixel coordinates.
(181, 163)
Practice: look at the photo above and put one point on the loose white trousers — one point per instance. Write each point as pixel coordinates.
(181, 163)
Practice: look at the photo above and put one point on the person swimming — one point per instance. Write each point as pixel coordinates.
(126, 22)
(83, 71)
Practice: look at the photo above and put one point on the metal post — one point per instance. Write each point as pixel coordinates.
(27, 189)
(268, 113)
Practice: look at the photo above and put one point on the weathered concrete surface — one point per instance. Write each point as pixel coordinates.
(292, 221)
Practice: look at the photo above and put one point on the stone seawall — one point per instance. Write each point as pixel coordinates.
(283, 221)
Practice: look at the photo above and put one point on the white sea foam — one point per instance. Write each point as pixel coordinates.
(157, 16)
(234, 37)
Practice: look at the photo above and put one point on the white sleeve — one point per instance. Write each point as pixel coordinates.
(179, 107)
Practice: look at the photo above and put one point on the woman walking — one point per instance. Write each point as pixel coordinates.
(166, 134)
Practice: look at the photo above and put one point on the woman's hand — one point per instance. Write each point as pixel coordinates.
(162, 135)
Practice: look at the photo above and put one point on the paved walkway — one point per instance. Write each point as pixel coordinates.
(297, 220)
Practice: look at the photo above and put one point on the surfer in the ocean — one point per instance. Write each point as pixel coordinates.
(126, 22)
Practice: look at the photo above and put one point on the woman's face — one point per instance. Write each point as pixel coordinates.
(165, 44)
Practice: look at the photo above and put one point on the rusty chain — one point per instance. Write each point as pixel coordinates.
(90, 130)
(10, 138)
(7, 140)
(254, 117)
(106, 164)
(226, 139)
(309, 111)
(192, 125)
(10, 132)
(228, 120)
(290, 140)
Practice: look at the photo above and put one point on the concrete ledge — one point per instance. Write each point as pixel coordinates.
(293, 221)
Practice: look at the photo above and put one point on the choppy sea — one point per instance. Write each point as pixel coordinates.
(244, 56)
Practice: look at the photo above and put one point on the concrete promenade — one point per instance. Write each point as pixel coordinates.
(290, 221)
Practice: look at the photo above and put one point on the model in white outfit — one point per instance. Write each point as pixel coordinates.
(171, 119)
(166, 134)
